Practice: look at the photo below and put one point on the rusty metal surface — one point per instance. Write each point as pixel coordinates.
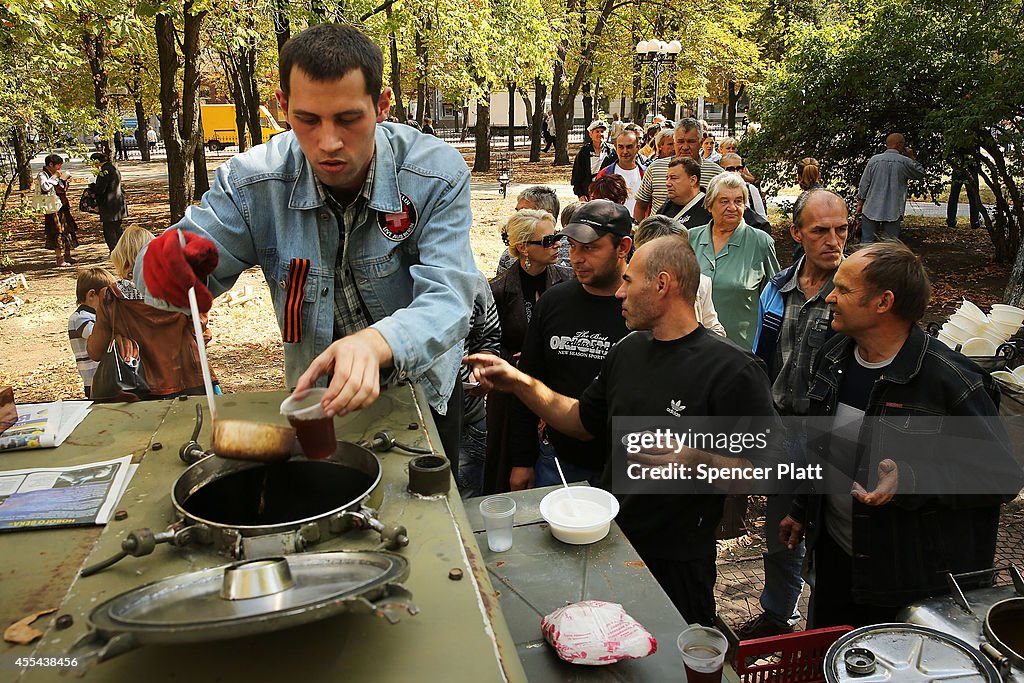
(540, 574)
(453, 620)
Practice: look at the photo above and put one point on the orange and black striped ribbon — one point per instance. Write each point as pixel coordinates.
(298, 274)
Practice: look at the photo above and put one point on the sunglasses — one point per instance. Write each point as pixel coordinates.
(733, 169)
(548, 241)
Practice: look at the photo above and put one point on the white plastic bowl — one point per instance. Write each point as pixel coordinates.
(1008, 329)
(956, 333)
(951, 343)
(1009, 378)
(979, 346)
(1007, 307)
(597, 506)
(1006, 316)
(966, 323)
(993, 335)
(972, 311)
(1019, 374)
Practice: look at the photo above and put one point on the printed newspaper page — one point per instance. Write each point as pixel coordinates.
(44, 425)
(63, 496)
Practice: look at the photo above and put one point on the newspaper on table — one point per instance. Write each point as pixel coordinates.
(63, 496)
(44, 425)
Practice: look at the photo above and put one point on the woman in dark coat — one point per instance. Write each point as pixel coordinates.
(515, 292)
(110, 198)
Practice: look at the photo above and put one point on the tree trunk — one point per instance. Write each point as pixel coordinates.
(562, 113)
(622, 105)
(588, 104)
(95, 46)
(23, 164)
(465, 123)
(282, 23)
(540, 91)
(179, 120)
(669, 108)
(511, 116)
(141, 120)
(482, 133)
(397, 109)
(228, 63)
(734, 96)
(202, 178)
(422, 71)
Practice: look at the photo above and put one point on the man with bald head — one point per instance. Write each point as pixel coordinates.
(882, 193)
(669, 365)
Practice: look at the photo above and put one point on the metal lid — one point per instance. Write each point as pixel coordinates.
(253, 597)
(908, 653)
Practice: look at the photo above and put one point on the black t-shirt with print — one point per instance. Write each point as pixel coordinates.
(694, 218)
(696, 375)
(567, 341)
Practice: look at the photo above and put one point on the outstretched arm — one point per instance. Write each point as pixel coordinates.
(561, 412)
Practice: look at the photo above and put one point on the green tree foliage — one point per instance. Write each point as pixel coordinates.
(948, 78)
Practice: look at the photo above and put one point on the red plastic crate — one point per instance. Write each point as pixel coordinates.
(791, 658)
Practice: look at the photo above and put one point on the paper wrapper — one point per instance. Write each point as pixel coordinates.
(595, 632)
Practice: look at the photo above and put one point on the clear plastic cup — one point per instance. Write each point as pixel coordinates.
(499, 514)
(312, 426)
(703, 651)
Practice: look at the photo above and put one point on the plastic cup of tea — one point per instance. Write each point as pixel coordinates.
(703, 651)
(499, 513)
(313, 428)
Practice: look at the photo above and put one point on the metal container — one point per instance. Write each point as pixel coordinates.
(250, 510)
(906, 653)
(245, 599)
(990, 618)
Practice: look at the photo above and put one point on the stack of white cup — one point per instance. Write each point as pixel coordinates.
(979, 334)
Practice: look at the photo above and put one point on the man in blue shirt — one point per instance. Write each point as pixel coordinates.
(882, 193)
(360, 227)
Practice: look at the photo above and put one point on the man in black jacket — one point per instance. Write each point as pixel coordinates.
(110, 198)
(915, 464)
(591, 159)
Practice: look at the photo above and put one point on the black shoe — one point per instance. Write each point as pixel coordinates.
(762, 626)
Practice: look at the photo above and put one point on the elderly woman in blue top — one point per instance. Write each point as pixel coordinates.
(739, 259)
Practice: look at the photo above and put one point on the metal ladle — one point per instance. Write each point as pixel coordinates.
(237, 439)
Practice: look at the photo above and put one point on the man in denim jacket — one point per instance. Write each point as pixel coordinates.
(916, 465)
(361, 229)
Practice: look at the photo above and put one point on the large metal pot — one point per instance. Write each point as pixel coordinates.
(234, 504)
(251, 510)
(1004, 628)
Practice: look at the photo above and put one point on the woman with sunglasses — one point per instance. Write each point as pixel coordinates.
(533, 243)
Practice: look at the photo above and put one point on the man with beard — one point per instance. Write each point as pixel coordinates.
(573, 326)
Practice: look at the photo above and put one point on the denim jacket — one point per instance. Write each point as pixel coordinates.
(903, 549)
(416, 280)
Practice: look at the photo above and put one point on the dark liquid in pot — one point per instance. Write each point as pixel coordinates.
(278, 493)
(1008, 626)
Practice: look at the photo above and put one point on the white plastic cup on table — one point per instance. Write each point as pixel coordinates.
(499, 514)
(313, 428)
(703, 651)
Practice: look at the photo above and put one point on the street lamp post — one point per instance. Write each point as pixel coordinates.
(657, 52)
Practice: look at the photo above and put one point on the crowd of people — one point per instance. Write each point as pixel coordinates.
(657, 292)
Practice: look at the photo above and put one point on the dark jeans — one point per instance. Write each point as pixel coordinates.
(112, 231)
(872, 231)
(832, 596)
(449, 426)
(472, 455)
(690, 584)
(968, 181)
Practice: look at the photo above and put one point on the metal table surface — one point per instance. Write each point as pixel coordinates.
(539, 574)
(459, 633)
